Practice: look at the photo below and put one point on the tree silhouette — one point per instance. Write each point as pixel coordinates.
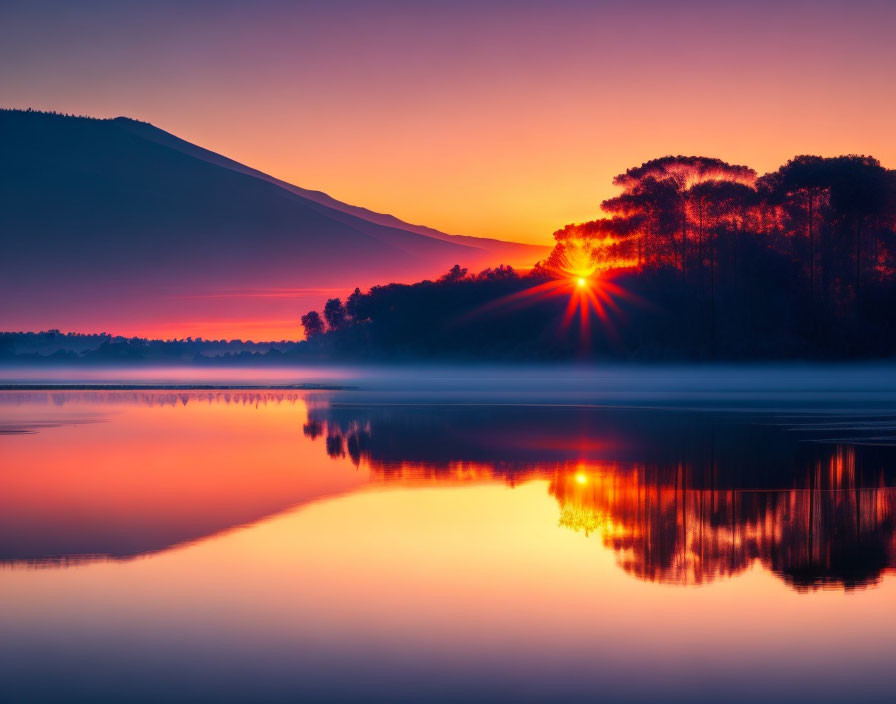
(456, 273)
(335, 314)
(657, 194)
(354, 306)
(313, 324)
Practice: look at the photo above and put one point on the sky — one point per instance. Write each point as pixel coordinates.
(502, 119)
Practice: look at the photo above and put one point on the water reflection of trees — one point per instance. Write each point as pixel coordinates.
(829, 529)
(151, 397)
(709, 497)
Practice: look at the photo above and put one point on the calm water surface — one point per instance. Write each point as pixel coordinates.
(399, 545)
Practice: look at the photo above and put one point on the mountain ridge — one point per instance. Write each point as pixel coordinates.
(116, 224)
(150, 131)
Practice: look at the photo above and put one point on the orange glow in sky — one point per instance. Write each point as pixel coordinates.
(497, 119)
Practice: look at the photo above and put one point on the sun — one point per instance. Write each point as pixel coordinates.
(590, 294)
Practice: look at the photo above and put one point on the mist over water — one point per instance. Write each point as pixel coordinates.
(716, 385)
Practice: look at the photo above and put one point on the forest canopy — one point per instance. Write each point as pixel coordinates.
(694, 258)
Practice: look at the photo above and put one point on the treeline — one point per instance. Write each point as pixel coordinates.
(54, 113)
(833, 217)
(56, 346)
(475, 317)
(446, 318)
(695, 259)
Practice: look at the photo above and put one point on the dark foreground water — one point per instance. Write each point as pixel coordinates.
(521, 537)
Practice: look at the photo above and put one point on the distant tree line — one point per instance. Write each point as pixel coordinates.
(56, 113)
(713, 262)
(56, 346)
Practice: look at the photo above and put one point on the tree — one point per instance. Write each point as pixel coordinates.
(859, 195)
(657, 193)
(717, 206)
(499, 273)
(838, 203)
(606, 243)
(313, 324)
(656, 206)
(354, 306)
(335, 314)
(801, 180)
(456, 273)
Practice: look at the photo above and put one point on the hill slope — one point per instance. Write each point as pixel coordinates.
(508, 252)
(101, 218)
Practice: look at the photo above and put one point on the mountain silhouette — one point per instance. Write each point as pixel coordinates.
(512, 252)
(95, 209)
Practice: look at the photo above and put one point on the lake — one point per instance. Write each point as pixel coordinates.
(619, 535)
